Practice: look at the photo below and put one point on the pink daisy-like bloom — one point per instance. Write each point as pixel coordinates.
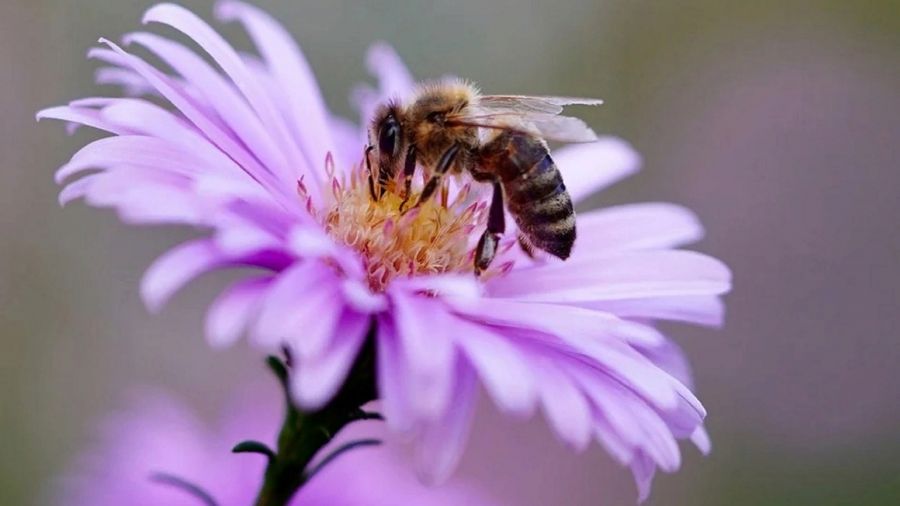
(248, 151)
(158, 453)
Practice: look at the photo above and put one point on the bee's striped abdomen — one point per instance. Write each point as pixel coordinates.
(535, 193)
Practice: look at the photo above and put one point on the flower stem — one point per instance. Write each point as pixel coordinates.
(303, 434)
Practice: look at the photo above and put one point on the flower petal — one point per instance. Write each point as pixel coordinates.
(633, 227)
(643, 469)
(707, 310)
(307, 112)
(132, 84)
(222, 97)
(230, 313)
(146, 118)
(701, 440)
(500, 365)
(172, 92)
(77, 189)
(175, 268)
(82, 116)
(134, 151)
(442, 442)
(315, 381)
(301, 310)
(588, 168)
(191, 25)
(630, 416)
(391, 368)
(632, 275)
(394, 78)
(566, 407)
(423, 329)
(395, 82)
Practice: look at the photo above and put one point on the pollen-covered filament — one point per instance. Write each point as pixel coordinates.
(432, 238)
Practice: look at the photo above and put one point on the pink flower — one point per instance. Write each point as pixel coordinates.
(249, 153)
(143, 451)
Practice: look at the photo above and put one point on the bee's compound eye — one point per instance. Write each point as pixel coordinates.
(388, 142)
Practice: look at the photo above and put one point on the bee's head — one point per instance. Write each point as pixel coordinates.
(387, 137)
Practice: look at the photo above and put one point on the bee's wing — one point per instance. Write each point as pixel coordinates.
(539, 116)
(526, 103)
(547, 126)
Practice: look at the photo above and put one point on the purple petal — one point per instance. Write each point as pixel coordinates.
(150, 119)
(587, 332)
(132, 84)
(82, 116)
(635, 226)
(240, 240)
(222, 97)
(394, 78)
(391, 367)
(133, 151)
(631, 417)
(142, 207)
(394, 81)
(348, 141)
(188, 23)
(502, 368)
(77, 189)
(307, 112)
(588, 168)
(314, 382)
(361, 298)
(176, 268)
(611, 440)
(701, 440)
(442, 442)
(707, 310)
(229, 315)
(671, 358)
(643, 470)
(567, 410)
(450, 285)
(632, 275)
(424, 332)
(302, 309)
(171, 91)
(136, 192)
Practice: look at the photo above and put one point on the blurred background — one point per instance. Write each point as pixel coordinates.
(778, 122)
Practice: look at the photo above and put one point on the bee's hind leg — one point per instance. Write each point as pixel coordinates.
(490, 239)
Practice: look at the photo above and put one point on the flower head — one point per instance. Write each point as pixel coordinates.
(158, 453)
(247, 151)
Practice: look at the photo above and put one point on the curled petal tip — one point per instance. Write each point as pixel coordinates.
(151, 14)
(227, 10)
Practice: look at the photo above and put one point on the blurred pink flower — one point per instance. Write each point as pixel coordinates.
(249, 153)
(160, 436)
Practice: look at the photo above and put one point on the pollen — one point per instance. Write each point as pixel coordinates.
(402, 239)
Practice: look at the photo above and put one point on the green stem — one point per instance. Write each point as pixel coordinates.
(304, 434)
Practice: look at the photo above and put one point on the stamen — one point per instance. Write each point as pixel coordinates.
(329, 165)
(432, 238)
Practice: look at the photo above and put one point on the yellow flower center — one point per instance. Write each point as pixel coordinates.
(432, 238)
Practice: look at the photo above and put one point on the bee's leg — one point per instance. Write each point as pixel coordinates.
(409, 169)
(490, 239)
(375, 195)
(443, 166)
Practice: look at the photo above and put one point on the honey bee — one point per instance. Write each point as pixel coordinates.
(498, 139)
